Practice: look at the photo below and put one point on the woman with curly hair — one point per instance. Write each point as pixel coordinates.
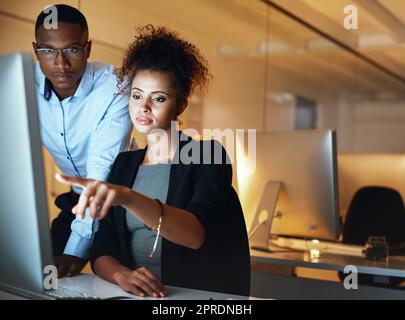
(166, 220)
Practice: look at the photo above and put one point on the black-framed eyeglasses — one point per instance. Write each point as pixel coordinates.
(71, 53)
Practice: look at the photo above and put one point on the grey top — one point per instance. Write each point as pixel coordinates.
(151, 181)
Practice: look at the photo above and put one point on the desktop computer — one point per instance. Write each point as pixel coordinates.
(25, 242)
(291, 191)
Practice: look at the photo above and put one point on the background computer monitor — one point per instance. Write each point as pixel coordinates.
(25, 246)
(304, 161)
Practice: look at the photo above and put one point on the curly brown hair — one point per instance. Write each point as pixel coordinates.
(163, 51)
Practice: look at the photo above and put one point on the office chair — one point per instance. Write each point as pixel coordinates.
(375, 211)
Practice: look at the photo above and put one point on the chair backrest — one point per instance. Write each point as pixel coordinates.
(375, 211)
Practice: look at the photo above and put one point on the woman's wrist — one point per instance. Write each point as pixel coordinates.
(125, 196)
(119, 274)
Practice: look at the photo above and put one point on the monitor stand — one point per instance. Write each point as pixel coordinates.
(260, 229)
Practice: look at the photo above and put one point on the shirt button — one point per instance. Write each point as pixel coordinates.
(68, 158)
(61, 134)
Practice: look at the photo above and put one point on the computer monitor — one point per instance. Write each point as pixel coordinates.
(25, 245)
(293, 183)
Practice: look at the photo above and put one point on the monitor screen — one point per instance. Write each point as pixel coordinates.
(301, 167)
(25, 246)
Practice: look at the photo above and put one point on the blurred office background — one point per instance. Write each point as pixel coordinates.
(277, 65)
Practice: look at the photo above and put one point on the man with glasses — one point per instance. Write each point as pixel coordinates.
(84, 123)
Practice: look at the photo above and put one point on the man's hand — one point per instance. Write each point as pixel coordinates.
(69, 265)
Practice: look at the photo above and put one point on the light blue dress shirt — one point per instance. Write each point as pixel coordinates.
(84, 133)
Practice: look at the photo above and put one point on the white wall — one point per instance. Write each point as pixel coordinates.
(379, 127)
(365, 126)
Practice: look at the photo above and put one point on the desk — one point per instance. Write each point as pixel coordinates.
(289, 287)
(95, 286)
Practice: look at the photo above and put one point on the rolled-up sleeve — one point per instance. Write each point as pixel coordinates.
(111, 137)
(106, 239)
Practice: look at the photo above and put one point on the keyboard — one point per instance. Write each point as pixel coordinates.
(323, 246)
(63, 293)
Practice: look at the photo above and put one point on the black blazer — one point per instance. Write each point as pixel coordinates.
(222, 264)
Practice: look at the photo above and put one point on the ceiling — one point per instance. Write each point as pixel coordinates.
(256, 31)
(379, 39)
(374, 65)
